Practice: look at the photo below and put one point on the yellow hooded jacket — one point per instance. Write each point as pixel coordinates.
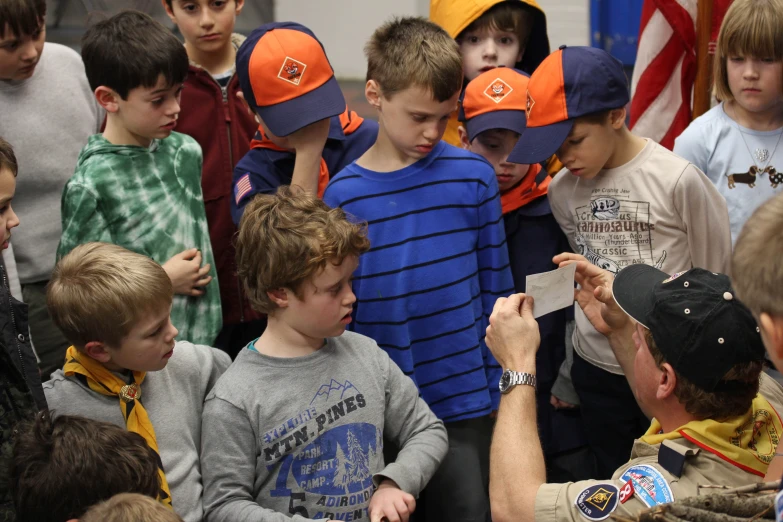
(456, 15)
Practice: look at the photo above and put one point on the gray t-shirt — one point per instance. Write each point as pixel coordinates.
(174, 399)
(302, 438)
(714, 143)
(47, 119)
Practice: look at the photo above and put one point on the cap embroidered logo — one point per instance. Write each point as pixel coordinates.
(292, 71)
(530, 103)
(498, 90)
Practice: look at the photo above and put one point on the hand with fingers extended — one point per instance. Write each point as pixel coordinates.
(390, 504)
(594, 294)
(186, 273)
(512, 334)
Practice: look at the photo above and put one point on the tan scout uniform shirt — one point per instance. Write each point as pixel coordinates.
(557, 502)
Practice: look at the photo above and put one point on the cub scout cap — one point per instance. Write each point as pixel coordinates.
(571, 82)
(697, 322)
(495, 99)
(286, 77)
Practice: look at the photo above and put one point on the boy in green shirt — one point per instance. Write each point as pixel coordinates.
(138, 184)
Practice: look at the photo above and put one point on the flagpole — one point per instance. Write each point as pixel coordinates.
(702, 88)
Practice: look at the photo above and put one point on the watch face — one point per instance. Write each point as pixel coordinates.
(505, 381)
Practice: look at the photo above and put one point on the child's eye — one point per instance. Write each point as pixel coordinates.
(736, 58)
(473, 39)
(191, 8)
(506, 40)
(3, 209)
(768, 59)
(157, 101)
(220, 3)
(418, 118)
(576, 141)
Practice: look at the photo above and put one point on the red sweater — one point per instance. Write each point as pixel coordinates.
(218, 121)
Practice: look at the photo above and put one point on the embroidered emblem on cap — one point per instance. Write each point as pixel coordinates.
(292, 71)
(497, 90)
(597, 502)
(649, 485)
(530, 103)
(672, 278)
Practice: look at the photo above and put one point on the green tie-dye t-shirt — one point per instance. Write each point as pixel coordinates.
(147, 200)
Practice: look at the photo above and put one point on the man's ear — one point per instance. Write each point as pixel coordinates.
(372, 91)
(772, 333)
(617, 118)
(666, 383)
(279, 296)
(463, 137)
(107, 98)
(98, 351)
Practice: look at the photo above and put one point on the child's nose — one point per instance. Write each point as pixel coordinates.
(490, 49)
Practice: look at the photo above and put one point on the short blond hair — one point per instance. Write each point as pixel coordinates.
(130, 507)
(749, 28)
(284, 239)
(99, 292)
(412, 51)
(756, 271)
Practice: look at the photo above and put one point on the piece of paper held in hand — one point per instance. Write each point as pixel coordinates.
(551, 290)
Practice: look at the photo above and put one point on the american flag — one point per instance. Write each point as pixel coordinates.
(665, 70)
(242, 188)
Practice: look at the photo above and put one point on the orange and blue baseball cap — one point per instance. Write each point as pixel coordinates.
(570, 83)
(286, 77)
(495, 99)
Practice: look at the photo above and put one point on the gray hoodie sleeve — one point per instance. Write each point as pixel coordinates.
(228, 465)
(419, 434)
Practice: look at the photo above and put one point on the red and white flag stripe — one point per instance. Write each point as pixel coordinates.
(665, 70)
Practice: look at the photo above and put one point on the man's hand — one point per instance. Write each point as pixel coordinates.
(595, 294)
(389, 503)
(186, 273)
(512, 334)
(561, 404)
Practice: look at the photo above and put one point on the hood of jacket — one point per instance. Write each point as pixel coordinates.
(98, 145)
(456, 15)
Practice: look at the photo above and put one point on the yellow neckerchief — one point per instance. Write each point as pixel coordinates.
(101, 380)
(747, 441)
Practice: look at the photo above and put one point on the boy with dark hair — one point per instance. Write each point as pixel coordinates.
(130, 507)
(62, 466)
(492, 33)
(438, 259)
(307, 133)
(22, 394)
(30, 71)
(215, 117)
(621, 200)
(138, 184)
(296, 426)
(124, 366)
(493, 112)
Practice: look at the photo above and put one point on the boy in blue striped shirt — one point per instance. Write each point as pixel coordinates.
(438, 258)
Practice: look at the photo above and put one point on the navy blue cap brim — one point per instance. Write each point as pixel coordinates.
(288, 117)
(633, 291)
(539, 143)
(511, 120)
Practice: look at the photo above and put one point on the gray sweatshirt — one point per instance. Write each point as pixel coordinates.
(47, 118)
(173, 398)
(302, 438)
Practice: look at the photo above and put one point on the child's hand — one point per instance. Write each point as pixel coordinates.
(561, 404)
(390, 503)
(308, 145)
(186, 273)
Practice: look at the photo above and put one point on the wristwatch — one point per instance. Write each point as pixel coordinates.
(510, 378)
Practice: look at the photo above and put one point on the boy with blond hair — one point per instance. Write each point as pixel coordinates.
(621, 200)
(130, 507)
(114, 306)
(438, 259)
(295, 428)
(138, 184)
(215, 117)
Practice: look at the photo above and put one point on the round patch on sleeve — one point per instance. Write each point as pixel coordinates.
(649, 485)
(597, 502)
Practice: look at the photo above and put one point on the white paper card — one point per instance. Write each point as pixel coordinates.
(551, 290)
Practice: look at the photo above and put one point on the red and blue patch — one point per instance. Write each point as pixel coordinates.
(242, 188)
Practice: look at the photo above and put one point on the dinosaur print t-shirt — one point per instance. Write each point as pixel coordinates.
(745, 165)
(657, 209)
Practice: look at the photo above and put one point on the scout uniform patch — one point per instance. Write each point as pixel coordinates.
(648, 484)
(597, 502)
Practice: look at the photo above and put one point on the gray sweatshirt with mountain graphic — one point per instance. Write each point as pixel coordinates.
(302, 438)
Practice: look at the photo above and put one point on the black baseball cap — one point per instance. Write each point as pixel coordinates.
(697, 322)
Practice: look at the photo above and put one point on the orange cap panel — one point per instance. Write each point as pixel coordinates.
(500, 89)
(546, 100)
(286, 64)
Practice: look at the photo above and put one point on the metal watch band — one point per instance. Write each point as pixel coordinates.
(523, 378)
